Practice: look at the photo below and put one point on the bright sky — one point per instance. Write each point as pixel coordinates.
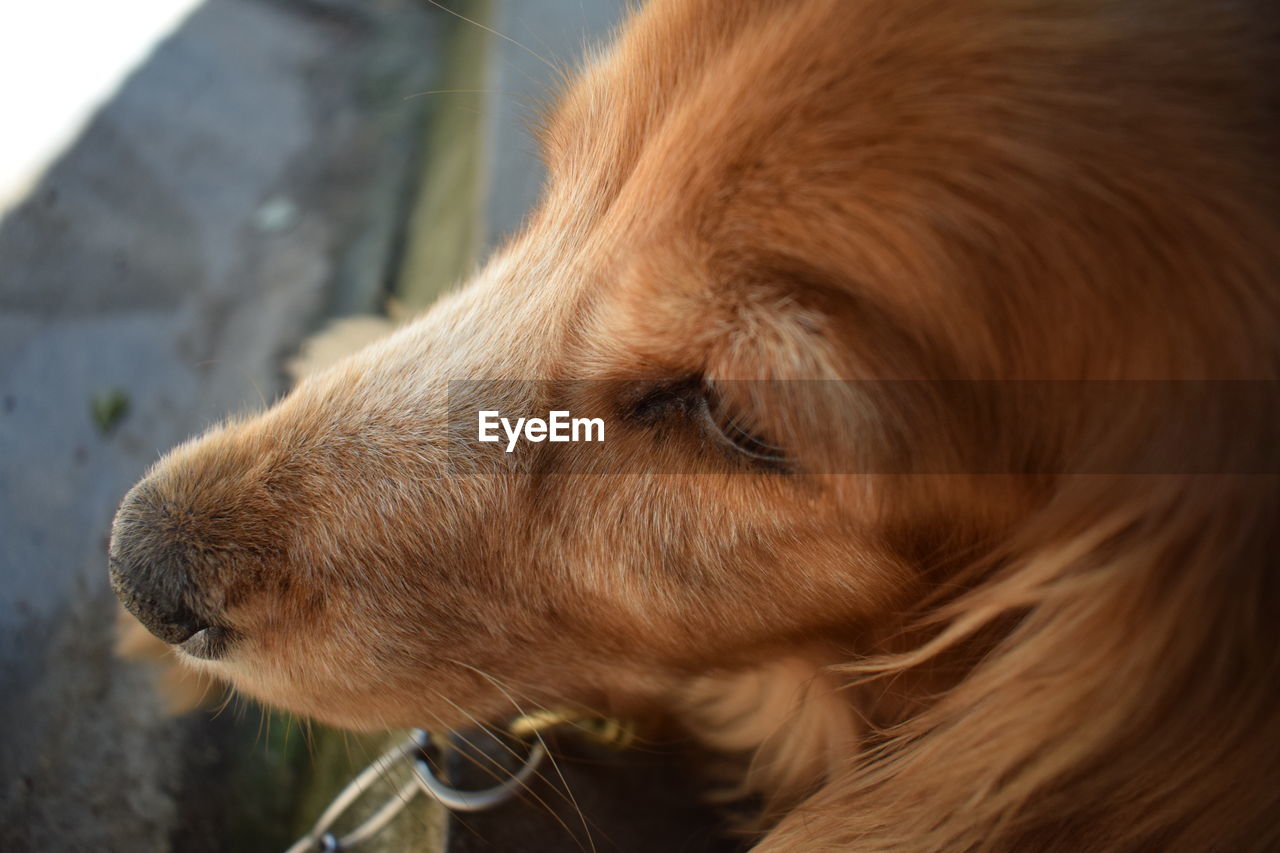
(60, 60)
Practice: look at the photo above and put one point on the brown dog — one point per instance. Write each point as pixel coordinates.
(1010, 614)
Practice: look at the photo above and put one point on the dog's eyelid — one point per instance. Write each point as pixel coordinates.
(729, 429)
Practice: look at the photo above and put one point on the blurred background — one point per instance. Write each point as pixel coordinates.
(188, 190)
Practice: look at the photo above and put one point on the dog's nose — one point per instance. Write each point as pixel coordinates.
(150, 568)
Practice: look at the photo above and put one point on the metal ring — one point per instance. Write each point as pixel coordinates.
(458, 800)
(320, 838)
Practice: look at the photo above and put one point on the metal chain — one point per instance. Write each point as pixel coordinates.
(321, 837)
(413, 749)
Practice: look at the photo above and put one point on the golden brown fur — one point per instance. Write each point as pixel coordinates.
(816, 189)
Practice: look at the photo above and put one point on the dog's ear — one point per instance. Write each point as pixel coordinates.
(1122, 661)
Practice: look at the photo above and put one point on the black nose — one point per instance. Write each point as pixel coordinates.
(149, 568)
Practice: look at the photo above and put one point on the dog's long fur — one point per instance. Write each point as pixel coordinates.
(817, 189)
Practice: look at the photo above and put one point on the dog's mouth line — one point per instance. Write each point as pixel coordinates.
(208, 643)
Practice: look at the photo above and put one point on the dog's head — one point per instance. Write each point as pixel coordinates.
(753, 208)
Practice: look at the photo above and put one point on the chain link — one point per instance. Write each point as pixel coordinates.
(423, 780)
(412, 749)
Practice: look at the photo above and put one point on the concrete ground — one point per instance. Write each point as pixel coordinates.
(546, 37)
(239, 187)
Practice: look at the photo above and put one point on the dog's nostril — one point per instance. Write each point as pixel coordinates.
(161, 608)
(149, 572)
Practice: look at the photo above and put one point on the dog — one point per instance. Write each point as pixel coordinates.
(934, 344)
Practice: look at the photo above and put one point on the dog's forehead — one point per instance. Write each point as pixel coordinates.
(699, 89)
(669, 144)
(748, 136)
(717, 84)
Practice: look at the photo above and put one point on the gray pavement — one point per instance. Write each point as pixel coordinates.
(207, 219)
(544, 38)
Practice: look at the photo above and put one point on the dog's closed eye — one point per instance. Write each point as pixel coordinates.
(697, 403)
(734, 428)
